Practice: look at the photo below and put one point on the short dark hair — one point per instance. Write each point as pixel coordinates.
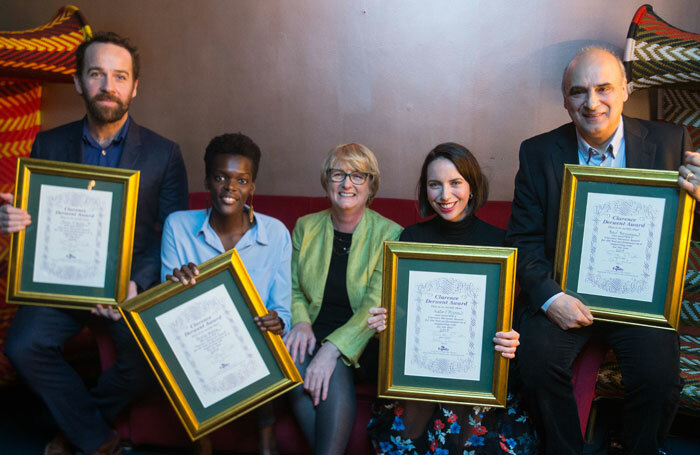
(232, 144)
(112, 38)
(466, 165)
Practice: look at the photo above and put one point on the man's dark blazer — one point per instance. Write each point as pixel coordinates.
(533, 223)
(162, 185)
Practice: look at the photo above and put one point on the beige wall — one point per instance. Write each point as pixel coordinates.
(300, 76)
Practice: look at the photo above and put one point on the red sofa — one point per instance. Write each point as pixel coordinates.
(151, 420)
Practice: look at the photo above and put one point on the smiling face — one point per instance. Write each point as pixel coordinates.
(347, 196)
(448, 192)
(230, 183)
(107, 83)
(594, 91)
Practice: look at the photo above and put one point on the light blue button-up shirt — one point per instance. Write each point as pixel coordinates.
(614, 152)
(265, 249)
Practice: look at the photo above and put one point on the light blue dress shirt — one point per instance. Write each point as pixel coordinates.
(265, 249)
(611, 154)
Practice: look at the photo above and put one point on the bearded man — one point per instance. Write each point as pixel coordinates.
(107, 71)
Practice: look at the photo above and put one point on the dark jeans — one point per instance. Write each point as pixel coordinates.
(650, 363)
(34, 345)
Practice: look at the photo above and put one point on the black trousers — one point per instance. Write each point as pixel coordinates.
(650, 364)
(34, 345)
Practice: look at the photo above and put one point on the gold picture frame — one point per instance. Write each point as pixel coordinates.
(660, 306)
(49, 281)
(142, 312)
(496, 267)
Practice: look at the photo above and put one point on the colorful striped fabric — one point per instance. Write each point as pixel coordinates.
(682, 107)
(20, 119)
(45, 53)
(659, 54)
(19, 123)
(28, 58)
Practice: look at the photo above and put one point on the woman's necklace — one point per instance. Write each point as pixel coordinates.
(341, 243)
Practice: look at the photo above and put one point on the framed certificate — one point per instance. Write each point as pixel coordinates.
(210, 357)
(622, 243)
(77, 251)
(445, 303)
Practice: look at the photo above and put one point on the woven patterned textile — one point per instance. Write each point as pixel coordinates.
(19, 123)
(28, 58)
(658, 53)
(682, 107)
(610, 378)
(45, 53)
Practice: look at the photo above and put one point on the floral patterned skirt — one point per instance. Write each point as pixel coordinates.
(421, 428)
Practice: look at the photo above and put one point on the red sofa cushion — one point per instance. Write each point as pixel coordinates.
(403, 211)
(152, 421)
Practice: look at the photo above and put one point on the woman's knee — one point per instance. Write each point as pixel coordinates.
(341, 391)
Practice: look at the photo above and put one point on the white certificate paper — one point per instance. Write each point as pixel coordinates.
(212, 345)
(445, 324)
(620, 246)
(72, 236)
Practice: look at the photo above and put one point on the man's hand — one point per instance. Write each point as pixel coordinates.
(689, 174)
(300, 340)
(271, 322)
(111, 312)
(184, 274)
(12, 219)
(569, 313)
(319, 372)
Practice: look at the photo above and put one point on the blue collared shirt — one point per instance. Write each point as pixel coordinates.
(265, 249)
(109, 156)
(614, 156)
(613, 150)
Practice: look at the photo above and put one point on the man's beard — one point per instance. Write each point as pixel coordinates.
(105, 114)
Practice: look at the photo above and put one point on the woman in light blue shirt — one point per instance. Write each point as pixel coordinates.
(263, 243)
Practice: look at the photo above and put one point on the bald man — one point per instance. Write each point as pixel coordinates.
(555, 326)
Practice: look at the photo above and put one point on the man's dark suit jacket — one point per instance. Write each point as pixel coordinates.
(533, 223)
(162, 185)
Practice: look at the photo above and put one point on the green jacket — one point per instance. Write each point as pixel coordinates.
(312, 245)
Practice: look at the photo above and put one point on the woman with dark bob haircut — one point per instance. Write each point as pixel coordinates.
(452, 187)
